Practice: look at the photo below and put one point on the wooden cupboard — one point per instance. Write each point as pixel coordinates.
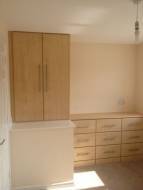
(39, 76)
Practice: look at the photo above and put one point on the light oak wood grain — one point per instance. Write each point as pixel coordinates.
(117, 139)
(84, 163)
(132, 123)
(107, 160)
(85, 126)
(27, 81)
(110, 151)
(132, 158)
(132, 149)
(104, 125)
(108, 138)
(39, 65)
(86, 153)
(56, 76)
(11, 72)
(132, 136)
(82, 140)
(107, 115)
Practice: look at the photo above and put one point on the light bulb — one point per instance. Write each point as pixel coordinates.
(137, 31)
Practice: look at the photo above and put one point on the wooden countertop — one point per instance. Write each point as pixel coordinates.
(85, 116)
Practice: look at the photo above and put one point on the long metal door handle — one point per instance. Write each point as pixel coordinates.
(46, 73)
(39, 72)
(2, 142)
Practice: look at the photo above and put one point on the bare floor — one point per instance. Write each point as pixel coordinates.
(116, 176)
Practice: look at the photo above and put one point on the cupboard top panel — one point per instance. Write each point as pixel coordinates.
(86, 116)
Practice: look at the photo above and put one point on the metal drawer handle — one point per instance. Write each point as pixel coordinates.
(40, 80)
(109, 126)
(83, 154)
(2, 142)
(46, 73)
(109, 139)
(135, 137)
(134, 124)
(134, 149)
(109, 152)
(83, 127)
(83, 140)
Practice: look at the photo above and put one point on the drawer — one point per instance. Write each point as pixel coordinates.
(108, 138)
(132, 149)
(107, 151)
(85, 126)
(107, 160)
(108, 125)
(86, 153)
(84, 163)
(132, 136)
(82, 140)
(132, 158)
(132, 124)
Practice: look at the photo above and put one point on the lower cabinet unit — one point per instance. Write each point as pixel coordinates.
(104, 125)
(84, 140)
(84, 126)
(107, 138)
(132, 136)
(132, 149)
(85, 163)
(132, 158)
(107, 151)
(107, 160)
(86, 153)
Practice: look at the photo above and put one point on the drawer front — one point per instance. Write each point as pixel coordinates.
(107, 151)
(108, 125)
(132, 124)
(132, 149)
(132, 158)
(85, 126)
(84, 163)
(108, 138)
(86, 153)
(83, 140)
(132, 136)
(107, 160)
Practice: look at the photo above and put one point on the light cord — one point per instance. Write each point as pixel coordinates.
(137, 13)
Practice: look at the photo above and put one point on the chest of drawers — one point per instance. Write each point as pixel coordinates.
(108, 139)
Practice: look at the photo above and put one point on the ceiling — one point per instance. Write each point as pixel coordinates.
(101, 21)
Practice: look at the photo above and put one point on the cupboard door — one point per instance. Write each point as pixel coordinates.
(27, 76)
(56, 76)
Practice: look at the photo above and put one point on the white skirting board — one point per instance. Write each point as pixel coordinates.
(62, 186)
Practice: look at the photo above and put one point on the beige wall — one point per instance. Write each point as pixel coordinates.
(139, 84)
(102, 77)
(5, 119)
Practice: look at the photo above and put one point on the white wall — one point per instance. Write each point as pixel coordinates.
(5, 119)
(139, 87)
(102, 77)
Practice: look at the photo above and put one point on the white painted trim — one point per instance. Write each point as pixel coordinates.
(51, 187)
(43, 125)
(32, 187)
